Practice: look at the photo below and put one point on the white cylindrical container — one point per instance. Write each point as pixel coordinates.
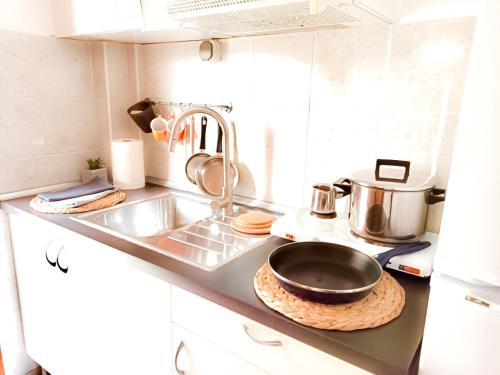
(128, 163)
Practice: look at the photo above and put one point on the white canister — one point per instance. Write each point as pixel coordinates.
(128, 163)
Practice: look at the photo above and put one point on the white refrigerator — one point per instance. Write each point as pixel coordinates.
(462, 329)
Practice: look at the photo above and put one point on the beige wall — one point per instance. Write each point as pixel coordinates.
(308, 107)
(315, 106)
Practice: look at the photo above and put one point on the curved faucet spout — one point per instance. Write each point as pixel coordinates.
(226, 199)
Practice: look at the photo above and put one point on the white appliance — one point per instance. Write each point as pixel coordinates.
(462, 332)
(302, 226)
(250, 17)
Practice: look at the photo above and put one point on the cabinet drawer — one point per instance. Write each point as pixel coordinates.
(197, 356)
(260, 345)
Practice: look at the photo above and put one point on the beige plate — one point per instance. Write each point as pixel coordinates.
(255, 220)
(239, 228)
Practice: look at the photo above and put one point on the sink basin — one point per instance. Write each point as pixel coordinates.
(177, 225)
(153, 217)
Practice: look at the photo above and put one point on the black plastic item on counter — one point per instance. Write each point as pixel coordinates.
(142, 113)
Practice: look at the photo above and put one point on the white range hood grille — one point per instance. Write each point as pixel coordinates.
(291, 16)
(189, 8)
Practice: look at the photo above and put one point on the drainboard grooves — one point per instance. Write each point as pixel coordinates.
(187, 231)
(222, 220)
(223, 233)
(195, 245)
(223, 238)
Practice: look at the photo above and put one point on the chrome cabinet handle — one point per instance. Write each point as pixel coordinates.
(53, 264)
(262, 342)
(61, 268)
(64, 270)
(179, 348)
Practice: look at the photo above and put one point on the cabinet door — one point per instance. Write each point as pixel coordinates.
(87, 17)
(104, 315)
(124, 312)
(196, 356)
(41, 288)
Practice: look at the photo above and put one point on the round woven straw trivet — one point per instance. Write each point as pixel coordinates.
(382, 305)
(107, 201)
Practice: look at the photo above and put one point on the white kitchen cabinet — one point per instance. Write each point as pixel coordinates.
(88, 17)
(196, 356)
(429, 10)
(103, 316)
(263, 347)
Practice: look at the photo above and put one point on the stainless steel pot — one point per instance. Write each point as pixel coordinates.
(389, 205)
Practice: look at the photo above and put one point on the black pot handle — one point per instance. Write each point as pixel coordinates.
(219, 140)
(393, 163)
(436, 196)
(344, 184)
(385, 257)
(203, 133)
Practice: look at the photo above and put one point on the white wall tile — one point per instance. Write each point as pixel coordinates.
(21, 127)
(98, 69)
(122, 125)
(121, 72)
(28, 173)
(21, 57)
(422, 57)
(66, 68)
(70, 124)
(347, 79)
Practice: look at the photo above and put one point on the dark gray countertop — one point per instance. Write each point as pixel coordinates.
(389, 349)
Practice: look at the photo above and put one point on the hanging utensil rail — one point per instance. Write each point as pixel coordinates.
(223, 107)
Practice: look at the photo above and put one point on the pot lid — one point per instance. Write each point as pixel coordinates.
(393, 175)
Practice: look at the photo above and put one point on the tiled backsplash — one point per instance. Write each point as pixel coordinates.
(308, 107)
(315, 106)
(47, 116)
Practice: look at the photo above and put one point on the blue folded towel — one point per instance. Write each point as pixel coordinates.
(97, 185)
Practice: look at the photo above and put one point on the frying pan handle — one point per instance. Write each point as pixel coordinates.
(385, 257)
(219, 140)
(203, 133)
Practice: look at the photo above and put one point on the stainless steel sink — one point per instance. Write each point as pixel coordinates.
(178, 225)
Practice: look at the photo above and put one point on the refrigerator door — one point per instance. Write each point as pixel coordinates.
(462, 328)
(469, 242)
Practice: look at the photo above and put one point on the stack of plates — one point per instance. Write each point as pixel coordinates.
(253, 223)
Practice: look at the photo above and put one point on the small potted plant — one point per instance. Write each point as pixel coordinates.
(96, 169)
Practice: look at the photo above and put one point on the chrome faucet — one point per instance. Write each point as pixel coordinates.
(226, 200)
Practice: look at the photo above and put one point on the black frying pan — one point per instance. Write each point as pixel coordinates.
(329, 273)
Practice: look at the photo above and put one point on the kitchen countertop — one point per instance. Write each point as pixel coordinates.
(390, 349)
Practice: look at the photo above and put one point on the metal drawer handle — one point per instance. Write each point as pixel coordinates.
(179, 348)
(262, 342)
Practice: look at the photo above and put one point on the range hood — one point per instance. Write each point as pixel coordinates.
(251, 17)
